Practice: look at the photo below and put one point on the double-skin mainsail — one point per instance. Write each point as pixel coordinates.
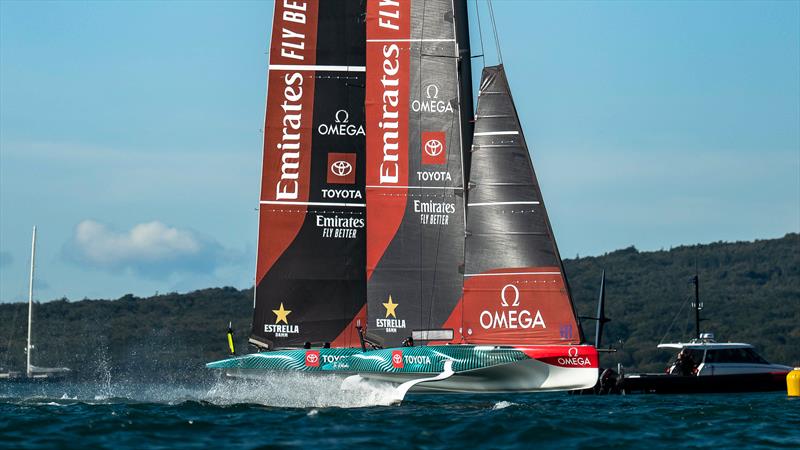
(310, 277)
(415, 191)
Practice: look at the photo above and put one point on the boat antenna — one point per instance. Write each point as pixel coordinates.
(28, 369)
(696, 305)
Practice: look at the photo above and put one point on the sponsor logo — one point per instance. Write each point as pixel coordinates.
(312, 358)
(510, 317)
(434, 176)
(281, 315)
(431, 102)
(434, 147)
(434, 150)
(339, 227)
(434, 213)
(390, 119)
(287, 187)
(565, 331)
(341, 126)
(574, 359)
(341, 168)
(397, 359)
(293, 40)
(390, 325)
(416, 359)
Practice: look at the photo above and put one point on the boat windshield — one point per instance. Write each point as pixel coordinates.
(734, 355)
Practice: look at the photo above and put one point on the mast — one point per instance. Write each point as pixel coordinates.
(465, 81)
(28, 370)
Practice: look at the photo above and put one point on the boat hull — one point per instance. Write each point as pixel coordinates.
(676, 384)
(478, 369)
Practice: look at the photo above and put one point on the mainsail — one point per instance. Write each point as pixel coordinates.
(515, 291)
(310, 277)
(415, 203)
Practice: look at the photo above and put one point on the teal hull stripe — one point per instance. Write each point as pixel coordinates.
(293, 360)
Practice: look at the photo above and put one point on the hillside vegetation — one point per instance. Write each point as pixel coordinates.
(750, 291)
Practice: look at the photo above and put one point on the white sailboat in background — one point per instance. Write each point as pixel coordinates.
(33, 372)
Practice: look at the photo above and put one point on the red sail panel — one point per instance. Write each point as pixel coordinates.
(387, 106)
(518, 305)
(287, 131)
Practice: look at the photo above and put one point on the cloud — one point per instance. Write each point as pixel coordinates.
(5, 259)
(151, 249)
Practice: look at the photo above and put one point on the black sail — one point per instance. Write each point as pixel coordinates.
(310, 277)
(415, 202)
(515, 291)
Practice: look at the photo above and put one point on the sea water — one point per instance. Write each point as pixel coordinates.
(297, 411)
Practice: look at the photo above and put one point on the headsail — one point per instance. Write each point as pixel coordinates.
(515, 291)
(415, 205)
(310, 278)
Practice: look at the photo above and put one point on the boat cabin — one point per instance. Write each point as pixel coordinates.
(709, 357)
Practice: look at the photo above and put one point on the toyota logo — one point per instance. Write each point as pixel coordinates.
(572, 352)
(341, 168)
(434, 148)
(312, 358)
(397, 358)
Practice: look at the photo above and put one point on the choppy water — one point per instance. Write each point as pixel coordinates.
(300, 412)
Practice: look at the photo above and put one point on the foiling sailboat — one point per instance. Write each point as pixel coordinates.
(375, 258)
(33, 373)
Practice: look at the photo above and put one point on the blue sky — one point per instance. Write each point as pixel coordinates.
(130, 132)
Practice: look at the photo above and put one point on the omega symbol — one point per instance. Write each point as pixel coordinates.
(338, 116)
(503, 294)
(435, 91)
(341, 168)
(572, 352)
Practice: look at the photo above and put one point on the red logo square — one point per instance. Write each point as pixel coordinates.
(341, 168)
(397, 359)
(434, 147)
(312, 358)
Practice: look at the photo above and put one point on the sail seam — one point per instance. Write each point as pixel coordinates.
(271, 202)
(496, 133)
(509, 273)
(318, 68)
(502, 203)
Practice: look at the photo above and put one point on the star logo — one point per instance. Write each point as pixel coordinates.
(280, 315)
(390, 308)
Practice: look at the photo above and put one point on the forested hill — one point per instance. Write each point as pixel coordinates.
(750, 291)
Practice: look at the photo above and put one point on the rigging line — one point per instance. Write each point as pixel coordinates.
(480, 32)
(674, 318)
(494, 30)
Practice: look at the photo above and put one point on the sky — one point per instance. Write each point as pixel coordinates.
(130, 132)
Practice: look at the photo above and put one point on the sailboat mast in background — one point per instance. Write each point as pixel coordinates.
(30, 305)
